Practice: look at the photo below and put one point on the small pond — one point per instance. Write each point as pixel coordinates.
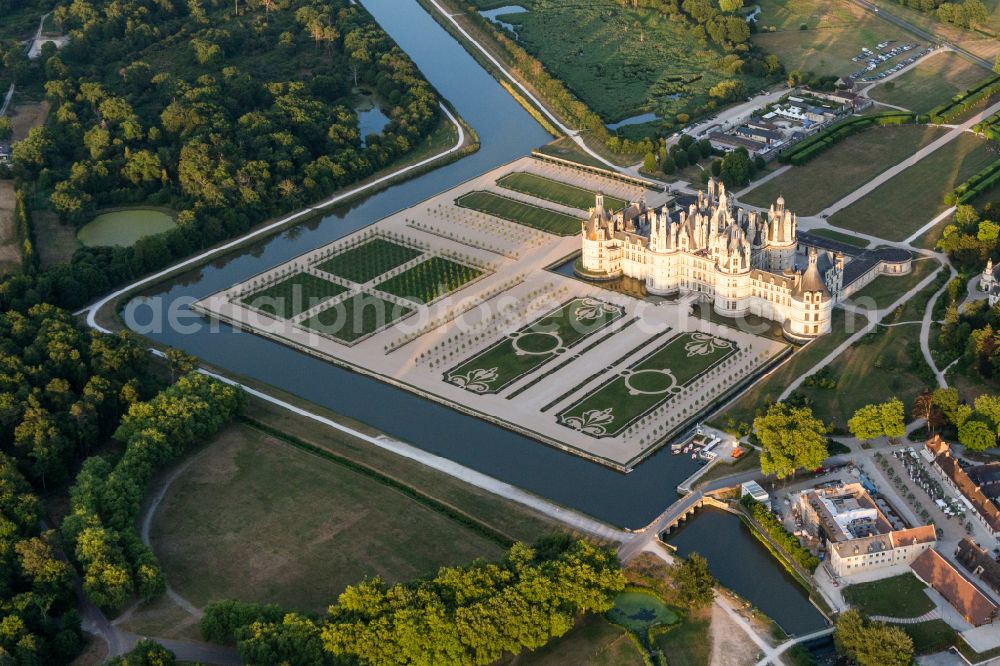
(640, 611)
(634, 120)
(494, 14)
(124, 227)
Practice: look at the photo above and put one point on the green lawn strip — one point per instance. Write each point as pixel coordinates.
(930, 637)
(368, 260)
(688, 643)
(293, 295)
(506, 208)
(613, 406)
(912, 198)
(840, 237)
(553, 190)
(899, 596)
(356, 317)
(429, 280)
(499, 365)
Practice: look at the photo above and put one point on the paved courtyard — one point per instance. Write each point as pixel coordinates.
(460, 306)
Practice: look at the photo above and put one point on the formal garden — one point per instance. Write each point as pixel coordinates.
(368, 260)
(528, 348)
(644, 385)
(506, 208)
(355, 318)
(293, 295)
(429, 280)
(555, 191)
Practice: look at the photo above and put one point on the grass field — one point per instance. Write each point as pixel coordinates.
(368, 260)
(914, 197)
(565, 148)
(553, 190)
(293, 295)
(545, 219)
(934, 80)
(899, 596)
(515, 356)
(356, 317)
(646, 384)
(840, 237)
(688, 643)
(622, 60)
(836, 31)
(592, 642)
(769, 388)
(256, 519)
(843, 168)
(884, 363)
(429, 280)
(930, 637)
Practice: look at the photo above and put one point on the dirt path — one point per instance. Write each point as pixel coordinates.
(730, 644)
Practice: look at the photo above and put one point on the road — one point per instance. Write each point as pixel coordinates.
(923, 34)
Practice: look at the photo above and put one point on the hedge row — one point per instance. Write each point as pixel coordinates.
(989, 128)
(774, 528)
(819, 142)
(964, 101)
(979, 183)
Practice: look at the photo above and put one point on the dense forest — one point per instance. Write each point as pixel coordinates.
(227, 112)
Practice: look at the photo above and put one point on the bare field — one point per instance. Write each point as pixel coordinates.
(10, 256)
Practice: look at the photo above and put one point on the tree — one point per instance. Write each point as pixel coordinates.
(146, 652)
(736, 168)
(649, 163)
(976, 435)
(792, 439)
(879, 420)
(6, 128)
(988, 406)
(924, 408)
(730, 5)
(947, 400)
(872, 643)
(694, 584)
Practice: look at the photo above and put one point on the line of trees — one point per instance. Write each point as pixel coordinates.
(809, 148)
(965, 100)
(966, 14)
(774, 528)
(101, 529)
(471, 614)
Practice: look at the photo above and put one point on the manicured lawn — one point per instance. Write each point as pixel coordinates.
(368, 260)
(845, 167)
(565, 148)
(914, 197)
(256, 519)
(528, 348)
(622, 60)
(934, 80)
(640, 611)
(899, 596)
(688, 643)
(553, 190)
(887, 288)
(769, 388)
(293, 295)
(592, 642)
(429, 280)
(356, 317)
(545, 219)
(646, 384)
(836, 31)
(840, 237)
(930, 637)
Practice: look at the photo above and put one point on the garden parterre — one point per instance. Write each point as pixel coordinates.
(424, 299)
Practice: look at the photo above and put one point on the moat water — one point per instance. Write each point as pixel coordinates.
(506, 132)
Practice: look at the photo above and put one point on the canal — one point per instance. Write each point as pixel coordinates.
(506, 132)
(744, 565)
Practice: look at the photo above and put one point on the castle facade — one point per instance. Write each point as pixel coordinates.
(742, 261)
